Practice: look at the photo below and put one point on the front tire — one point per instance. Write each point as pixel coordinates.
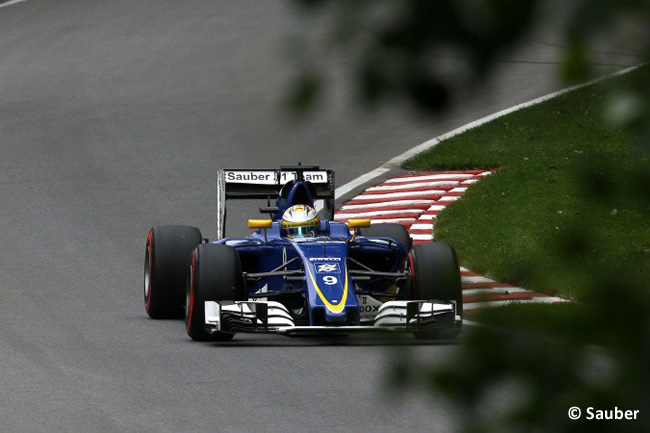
(436, 276)
(389, 230)
(167, 256)
(215, 275)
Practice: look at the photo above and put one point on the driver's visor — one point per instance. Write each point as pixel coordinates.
(301, 231)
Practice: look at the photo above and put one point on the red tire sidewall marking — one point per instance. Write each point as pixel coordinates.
(413, 281)
(192, 293)
(150, 248)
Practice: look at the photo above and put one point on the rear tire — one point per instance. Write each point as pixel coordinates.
(167, 256)
(436, 276)
(215, 275)
(389, 230)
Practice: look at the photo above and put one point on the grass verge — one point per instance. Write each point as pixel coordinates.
(570, 199)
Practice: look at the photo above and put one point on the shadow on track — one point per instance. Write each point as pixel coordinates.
(252, 340)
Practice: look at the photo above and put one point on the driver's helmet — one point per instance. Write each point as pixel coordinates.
(299, 221)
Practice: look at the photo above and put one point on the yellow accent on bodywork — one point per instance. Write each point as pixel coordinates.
(354, 223)
(333, 308)
(260, 224)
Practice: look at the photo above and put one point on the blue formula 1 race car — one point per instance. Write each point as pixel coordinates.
(298, 274)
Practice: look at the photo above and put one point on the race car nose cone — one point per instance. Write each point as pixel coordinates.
(335, 318)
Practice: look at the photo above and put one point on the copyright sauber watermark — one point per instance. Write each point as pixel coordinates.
(603, 414)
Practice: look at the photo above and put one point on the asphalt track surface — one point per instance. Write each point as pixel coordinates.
(114, 117)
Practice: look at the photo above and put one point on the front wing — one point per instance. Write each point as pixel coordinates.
(273, 317)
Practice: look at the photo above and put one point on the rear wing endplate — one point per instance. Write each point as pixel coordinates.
(261, 184)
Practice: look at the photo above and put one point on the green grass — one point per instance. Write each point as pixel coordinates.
(570, 199)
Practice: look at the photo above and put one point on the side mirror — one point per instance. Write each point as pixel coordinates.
(358, 223)
(260, 224)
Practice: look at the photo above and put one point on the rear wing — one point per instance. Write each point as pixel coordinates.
(265, 184)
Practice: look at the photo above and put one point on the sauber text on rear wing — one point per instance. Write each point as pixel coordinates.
(264, 184)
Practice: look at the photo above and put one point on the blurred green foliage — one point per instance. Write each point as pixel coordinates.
(394, 43)
(527, 365)
(524, 374)
(398, 49)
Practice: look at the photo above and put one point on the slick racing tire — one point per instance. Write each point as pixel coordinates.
(436, 276)
(389, 230)
(215, 275)
(167, 256)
